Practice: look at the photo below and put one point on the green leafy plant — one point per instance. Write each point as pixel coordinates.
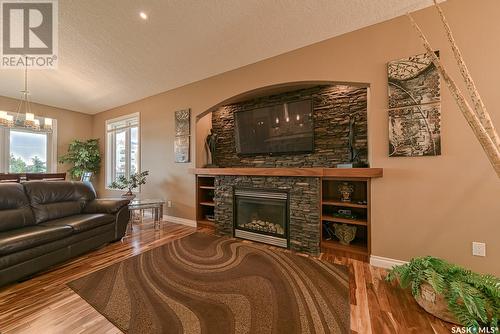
(474, 299)
(133, 182)
(84, 156)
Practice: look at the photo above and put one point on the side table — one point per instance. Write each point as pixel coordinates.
(141, 204)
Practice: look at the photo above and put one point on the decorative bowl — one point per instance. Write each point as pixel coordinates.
(345, 233)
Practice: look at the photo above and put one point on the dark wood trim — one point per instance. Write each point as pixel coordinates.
(18, 177)
(46, 176)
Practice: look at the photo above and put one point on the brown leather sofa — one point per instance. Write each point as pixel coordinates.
(43, 223)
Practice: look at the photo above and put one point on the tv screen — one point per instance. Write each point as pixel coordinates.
(283, 128)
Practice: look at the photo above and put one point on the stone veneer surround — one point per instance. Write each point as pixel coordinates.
(305, 212)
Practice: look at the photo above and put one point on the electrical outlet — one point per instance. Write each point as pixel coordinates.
(169, 204)
(478, 248)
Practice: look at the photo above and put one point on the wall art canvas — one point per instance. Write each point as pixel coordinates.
(414, 107)
(183, 122)
(182, 132)
(181, 149)
(415, 131)
(413, 80)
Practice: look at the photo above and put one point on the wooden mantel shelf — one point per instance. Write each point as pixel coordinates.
(312, 172)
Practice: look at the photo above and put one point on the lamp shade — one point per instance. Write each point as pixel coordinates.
(30, 117)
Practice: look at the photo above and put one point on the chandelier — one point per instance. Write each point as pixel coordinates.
(24, 117)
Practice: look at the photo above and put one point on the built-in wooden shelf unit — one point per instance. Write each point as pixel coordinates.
(205, 200)
(359, 206)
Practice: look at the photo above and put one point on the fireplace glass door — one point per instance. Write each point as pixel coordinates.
(261, 216)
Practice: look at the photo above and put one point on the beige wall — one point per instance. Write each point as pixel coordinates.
(70, 124)
(429, 205)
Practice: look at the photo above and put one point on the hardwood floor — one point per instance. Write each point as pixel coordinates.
(44, 304)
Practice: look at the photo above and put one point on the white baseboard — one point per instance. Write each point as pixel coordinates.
(385, 262)
(182, 221)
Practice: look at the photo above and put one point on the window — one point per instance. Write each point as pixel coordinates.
(27, 151)
(122, 147)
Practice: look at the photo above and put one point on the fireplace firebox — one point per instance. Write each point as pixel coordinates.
(261, 215)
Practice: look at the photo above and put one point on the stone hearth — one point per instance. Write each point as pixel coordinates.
(304, 196)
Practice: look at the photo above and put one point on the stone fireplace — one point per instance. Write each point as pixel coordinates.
(261, 215)
(294, 222)
(300, 207)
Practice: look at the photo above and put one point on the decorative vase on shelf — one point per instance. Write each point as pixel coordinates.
(345, 233)
(346, 189)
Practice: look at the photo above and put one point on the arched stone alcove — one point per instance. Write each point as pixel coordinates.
(204, 119)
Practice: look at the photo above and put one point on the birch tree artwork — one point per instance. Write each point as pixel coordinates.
(182, 135)
(414, 107)
(476, 115)
(414, 131)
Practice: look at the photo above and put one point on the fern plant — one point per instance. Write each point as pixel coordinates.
(473, 298)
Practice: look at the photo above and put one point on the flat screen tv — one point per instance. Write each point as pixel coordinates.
(277, 129)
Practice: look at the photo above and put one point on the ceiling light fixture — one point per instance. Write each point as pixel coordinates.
(28, 120)
(143, 15)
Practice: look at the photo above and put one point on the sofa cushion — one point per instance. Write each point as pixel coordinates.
(81, 223)
(57, 199)
(31, 236)
(106, 205)
(15, 211)
(66, 242)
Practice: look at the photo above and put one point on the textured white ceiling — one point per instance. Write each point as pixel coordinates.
(108, 56)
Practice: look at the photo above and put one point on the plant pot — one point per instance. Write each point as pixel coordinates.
(128, 195)
(435, 304)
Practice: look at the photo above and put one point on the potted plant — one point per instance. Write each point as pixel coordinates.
(133, 182)
(450, 292)
(84, 156)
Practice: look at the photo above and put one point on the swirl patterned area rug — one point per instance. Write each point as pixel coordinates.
(208, 284)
